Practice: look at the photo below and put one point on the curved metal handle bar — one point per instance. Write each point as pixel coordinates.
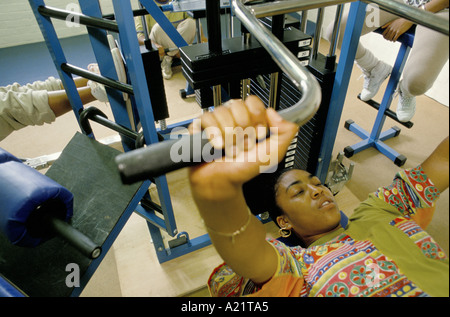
(427, 19)
(424, 18)
(287, 6)
(304, 109)
(155, 159)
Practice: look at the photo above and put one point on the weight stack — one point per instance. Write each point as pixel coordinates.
(303, 153)
(239, 60)
(230, 90)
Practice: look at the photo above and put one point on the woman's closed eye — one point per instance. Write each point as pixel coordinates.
(296, 190)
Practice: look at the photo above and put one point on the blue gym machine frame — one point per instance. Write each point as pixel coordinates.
(344, 69)
(140, 96)
(376, 137)
(129, 43)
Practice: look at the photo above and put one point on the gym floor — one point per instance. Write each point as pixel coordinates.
(131, 267)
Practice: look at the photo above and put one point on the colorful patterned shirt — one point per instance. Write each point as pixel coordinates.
(383, 251)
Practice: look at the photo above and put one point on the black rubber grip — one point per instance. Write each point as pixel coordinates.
(161, 158)
(75, 238)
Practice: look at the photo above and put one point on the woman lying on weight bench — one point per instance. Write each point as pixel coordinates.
(382, 251)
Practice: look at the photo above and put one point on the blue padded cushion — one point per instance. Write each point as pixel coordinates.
(6, 156)
(9, 290)
(22, 191)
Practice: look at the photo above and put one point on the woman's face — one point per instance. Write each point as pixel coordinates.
(309, 206)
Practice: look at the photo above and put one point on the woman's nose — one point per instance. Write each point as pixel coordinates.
(316, 191)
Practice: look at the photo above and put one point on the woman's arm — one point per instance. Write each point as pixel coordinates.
(394, 29)
(436, 165)
(415, 191)
(217, 186)
(436, 5)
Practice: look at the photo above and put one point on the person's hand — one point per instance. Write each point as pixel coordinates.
(236, 127)
(394, 29)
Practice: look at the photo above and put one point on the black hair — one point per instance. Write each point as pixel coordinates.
(260, 192)
(260, 196)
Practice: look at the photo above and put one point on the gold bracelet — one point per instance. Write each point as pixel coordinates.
(235, 233)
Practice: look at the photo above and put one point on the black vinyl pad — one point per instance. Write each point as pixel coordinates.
(87, 169)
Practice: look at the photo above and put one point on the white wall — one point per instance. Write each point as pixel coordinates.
(18, 25)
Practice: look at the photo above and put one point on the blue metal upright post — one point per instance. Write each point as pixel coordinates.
(376, 137)
(130, 46)
(350, 43)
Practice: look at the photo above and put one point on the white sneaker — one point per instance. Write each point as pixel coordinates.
(406, 107)
(374, 79)
(94, 68)
(166, 67)
(98, 91)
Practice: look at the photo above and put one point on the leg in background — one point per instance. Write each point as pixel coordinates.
(428, 56)
(375, 71)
